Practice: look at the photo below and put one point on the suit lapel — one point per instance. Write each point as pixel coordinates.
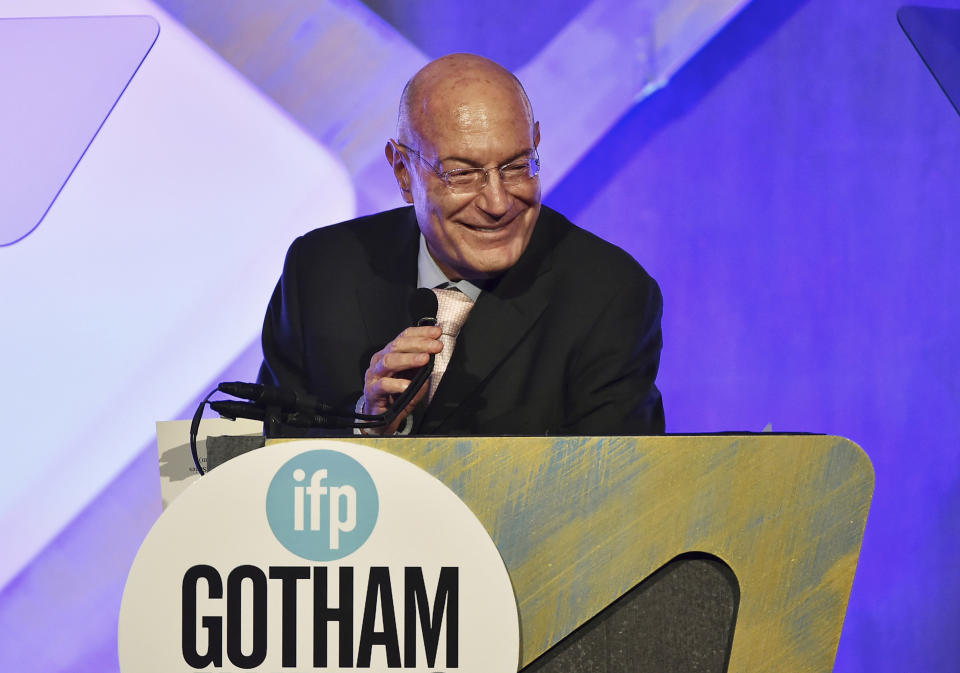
(497, 323)
(383, 295)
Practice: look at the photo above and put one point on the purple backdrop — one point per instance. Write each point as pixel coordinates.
(794, 190)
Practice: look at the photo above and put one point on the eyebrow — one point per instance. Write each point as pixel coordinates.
(522, 153)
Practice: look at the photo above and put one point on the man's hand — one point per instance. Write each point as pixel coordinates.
(384, 379)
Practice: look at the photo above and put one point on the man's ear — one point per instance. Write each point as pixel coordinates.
(396, 160)
(536, 134)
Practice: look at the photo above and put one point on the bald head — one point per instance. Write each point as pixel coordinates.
(459, 115)
(452, 89)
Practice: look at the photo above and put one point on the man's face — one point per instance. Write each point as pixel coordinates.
(480, 234)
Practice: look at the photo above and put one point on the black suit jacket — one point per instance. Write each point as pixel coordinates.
(567, 342)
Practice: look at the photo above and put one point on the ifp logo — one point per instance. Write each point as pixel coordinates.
(322, 505)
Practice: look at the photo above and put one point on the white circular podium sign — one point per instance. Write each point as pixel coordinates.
(318, 555)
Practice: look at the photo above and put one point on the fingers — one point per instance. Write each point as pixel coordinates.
(383, 392)
(385, 387)
(416, 340)
(391, 363)
(433, 332)
(410, 350)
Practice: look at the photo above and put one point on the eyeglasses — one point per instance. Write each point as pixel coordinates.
(472, 180)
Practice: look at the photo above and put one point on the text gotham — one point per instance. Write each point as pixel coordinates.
(218, 633)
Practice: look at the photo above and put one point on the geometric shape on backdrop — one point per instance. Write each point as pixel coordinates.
(286, 48)
(149, 273)
(621, 52)
(59, 80)
(532, 25)
(214, 582)
(935, 34)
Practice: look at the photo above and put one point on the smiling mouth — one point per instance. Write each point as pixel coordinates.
(486, 229)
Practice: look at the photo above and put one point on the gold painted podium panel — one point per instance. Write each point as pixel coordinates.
(581, 520)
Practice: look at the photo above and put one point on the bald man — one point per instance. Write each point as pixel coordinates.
(562, 331)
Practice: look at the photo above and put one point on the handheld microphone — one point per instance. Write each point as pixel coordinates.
(423, 307)
(423, 312)
(303, 410)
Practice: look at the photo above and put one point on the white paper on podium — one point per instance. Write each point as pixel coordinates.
(177, 471)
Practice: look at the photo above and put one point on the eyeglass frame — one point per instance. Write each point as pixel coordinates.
(444, 175)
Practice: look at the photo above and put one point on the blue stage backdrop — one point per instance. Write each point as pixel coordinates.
(794, 188)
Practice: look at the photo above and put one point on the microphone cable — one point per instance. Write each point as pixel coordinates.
(330, 418)
(265, 399)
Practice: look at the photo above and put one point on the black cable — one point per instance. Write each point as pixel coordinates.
(275, 398)
(195, 428)
(233, 409)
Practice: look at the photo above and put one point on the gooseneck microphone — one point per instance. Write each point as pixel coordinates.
(263, 396)
(277, 405)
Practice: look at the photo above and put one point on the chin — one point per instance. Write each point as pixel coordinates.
(490, 268)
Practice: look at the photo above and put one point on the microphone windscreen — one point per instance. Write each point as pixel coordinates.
(423, 304)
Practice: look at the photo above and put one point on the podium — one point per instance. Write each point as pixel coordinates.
(700, 552)
(580, 521)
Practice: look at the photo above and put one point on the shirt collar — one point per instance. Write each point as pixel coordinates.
(429, 274)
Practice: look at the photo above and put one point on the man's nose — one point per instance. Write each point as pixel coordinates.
(494, 199)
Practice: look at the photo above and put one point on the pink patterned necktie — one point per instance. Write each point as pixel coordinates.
(453, 306)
